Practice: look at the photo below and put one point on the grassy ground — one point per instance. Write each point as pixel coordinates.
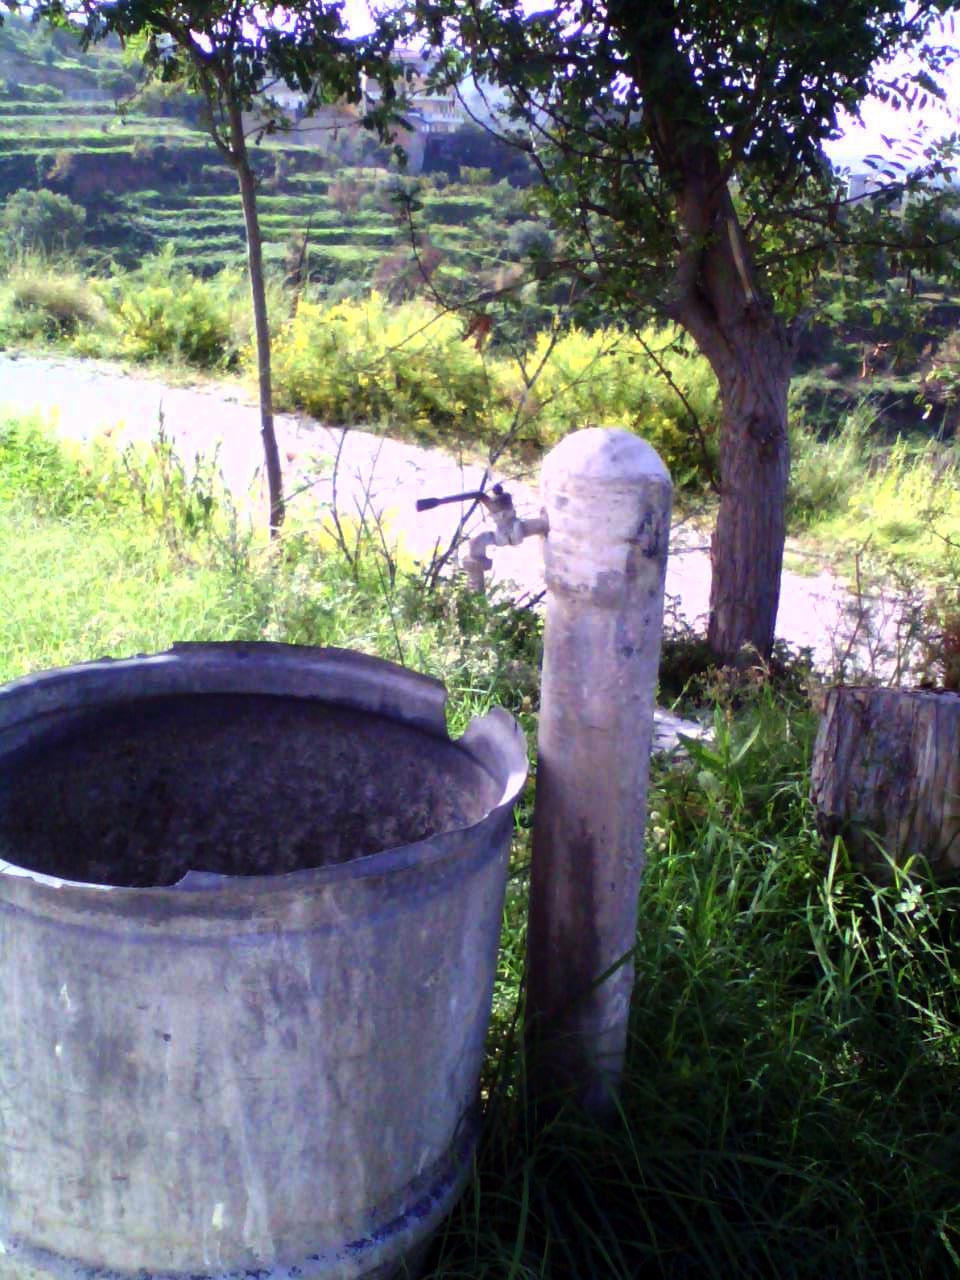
(789, 1103)
(787, 1109)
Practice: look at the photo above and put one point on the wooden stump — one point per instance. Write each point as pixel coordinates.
(886, 775)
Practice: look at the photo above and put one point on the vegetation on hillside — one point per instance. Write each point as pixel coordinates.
(82, 124)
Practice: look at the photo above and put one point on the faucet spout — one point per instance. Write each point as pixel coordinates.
(508, 531)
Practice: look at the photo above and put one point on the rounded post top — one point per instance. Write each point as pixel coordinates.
(605, 454)
(607, 497)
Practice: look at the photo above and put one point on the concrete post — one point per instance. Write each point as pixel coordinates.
(607, 498)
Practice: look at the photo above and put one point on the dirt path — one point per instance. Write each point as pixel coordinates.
(87, 397)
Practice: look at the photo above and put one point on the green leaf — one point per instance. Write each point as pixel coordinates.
(746, 745)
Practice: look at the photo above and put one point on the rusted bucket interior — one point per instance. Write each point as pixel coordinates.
(237, 784)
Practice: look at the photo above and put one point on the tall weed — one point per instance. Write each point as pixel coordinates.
(825, 471)
(910, 505)
(182, 501)
(41, 301)
(852, 491)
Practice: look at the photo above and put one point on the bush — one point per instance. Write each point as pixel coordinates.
(475, 177)
(39, 303)
(160, 321)
(411, 367)
(529, 240)
(610, 378)
(41, 222)
(165, 313)
(369, 362)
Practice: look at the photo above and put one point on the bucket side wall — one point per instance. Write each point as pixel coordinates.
(210, 1106)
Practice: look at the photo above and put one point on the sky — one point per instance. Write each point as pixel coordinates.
(858, 140)
(881, 120)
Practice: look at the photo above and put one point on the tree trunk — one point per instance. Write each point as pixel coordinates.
(720, 302)
(258, 293)
(886, 775)
(747, 545)
(751, 354)
(717, 294)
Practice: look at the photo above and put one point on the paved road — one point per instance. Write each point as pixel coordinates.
(86, 398)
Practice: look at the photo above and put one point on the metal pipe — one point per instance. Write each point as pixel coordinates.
(607, 498)
(476, 562)
(509, 530)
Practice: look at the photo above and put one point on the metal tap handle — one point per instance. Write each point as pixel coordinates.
(489, 500)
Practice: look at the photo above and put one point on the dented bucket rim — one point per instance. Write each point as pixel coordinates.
(337, 677)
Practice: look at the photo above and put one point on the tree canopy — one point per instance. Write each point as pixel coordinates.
(681, 147)
(641, 116)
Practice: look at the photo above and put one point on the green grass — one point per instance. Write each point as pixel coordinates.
(201, 224)
(908, 508)
(895, 504)
(788, 1106)
(97, 558)
(103, 553)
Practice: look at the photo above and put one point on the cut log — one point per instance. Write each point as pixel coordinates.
(886, 775)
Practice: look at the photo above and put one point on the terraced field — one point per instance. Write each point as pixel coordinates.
(151, 175)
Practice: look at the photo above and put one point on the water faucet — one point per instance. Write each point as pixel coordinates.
(509, 530)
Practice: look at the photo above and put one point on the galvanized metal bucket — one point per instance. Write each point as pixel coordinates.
(250, 899)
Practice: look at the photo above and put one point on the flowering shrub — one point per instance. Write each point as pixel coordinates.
(411, 367)
(365, 361)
